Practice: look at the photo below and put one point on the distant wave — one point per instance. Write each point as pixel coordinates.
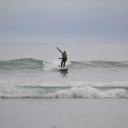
(30, 64)
(61, 92)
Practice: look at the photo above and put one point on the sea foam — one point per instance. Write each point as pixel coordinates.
(89, 92)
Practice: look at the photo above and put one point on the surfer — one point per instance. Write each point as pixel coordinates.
(64, 58)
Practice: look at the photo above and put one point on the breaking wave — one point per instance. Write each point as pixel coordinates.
(62, 92)
(32, 65)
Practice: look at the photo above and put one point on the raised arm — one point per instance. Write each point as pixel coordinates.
(58, 49)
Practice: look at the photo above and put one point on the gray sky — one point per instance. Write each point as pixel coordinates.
(63, 21)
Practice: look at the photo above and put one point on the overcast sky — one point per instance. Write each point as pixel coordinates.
(63, 21)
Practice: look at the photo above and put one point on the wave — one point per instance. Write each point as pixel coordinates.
(24, 63)
(99, 64)
(30, 64)
(20, 65)
(61, 92)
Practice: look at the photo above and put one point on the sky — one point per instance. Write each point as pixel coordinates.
(63, 21)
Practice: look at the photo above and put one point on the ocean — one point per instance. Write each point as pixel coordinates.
(93, 93)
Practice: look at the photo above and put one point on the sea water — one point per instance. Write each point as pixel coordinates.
(96, 73)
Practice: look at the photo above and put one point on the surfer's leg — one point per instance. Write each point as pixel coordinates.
(62, 63)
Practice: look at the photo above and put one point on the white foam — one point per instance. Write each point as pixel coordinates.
(60, 89)
(49, 65)
(89, 92)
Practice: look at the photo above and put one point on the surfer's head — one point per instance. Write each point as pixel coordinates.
(64, 52)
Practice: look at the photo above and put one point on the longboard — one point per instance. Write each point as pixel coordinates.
(63, 69)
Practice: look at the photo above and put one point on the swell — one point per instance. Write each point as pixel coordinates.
(99, 64)
(24, 63)
(21, 65)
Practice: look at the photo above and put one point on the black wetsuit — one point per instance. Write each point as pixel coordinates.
(64, 58)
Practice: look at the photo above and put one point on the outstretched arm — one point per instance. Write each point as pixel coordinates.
(58, 49)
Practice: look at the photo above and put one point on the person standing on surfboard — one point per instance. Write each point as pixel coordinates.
(64, 58)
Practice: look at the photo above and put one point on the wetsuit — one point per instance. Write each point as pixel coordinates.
(64, 58)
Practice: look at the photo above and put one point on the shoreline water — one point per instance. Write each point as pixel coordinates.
(63, 113)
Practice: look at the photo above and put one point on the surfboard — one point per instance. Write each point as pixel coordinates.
(63, 69)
